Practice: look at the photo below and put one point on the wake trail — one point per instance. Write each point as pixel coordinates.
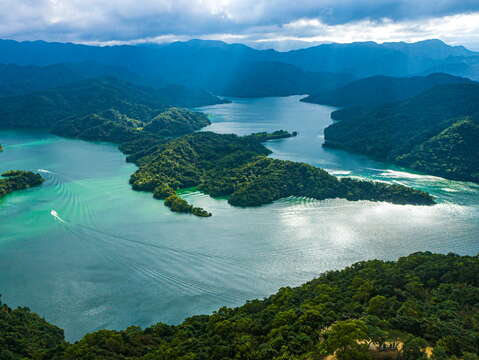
(57, 217)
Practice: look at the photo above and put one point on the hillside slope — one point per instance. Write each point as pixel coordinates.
(427, 132)
(379, 90)
(419, 300)
(46, 108)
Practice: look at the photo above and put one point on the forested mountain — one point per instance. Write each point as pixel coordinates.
(19, 80)
(420, 302)
(228, 165)
(47, 108)
(379, 90)
(206, 63)
(435, 131)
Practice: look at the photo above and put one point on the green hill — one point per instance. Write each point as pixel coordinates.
(420, 300)
(47, 108)
(435, 131)
(237, 167)
(14, 180)
(379, 90)
(113, 126)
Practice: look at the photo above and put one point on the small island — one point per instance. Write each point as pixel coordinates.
(14, 180)
(177, 204)
(279, 134)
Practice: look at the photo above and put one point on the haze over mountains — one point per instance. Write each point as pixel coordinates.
(216, 66)
(377, 90)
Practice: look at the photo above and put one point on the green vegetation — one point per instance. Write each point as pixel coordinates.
(453, 153)
(14, 180)
(25, 335)
(150, 133)
(181, 163)
(176, 121)
(435, 132)
(109, 125)
(113, 126)
(229, 165)
(265, 180)
(47, 108)
(377, 90)
(177, 204)
(420, 300)
(279, 134)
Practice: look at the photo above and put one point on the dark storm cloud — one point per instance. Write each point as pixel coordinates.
(132, 20)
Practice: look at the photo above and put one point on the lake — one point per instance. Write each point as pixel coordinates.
(114, 257)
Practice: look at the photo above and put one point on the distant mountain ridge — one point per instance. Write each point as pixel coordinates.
(201, 63)
(379, 90)
(24, 79)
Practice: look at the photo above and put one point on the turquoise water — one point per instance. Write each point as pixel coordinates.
(114, 257)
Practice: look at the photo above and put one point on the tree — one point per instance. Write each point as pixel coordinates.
(378, 306)
(439, 353)
(344, 339)
(413, 349)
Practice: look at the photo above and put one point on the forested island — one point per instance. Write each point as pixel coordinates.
(237, 167)
(436, 132)
(419, 304)
(14, 180)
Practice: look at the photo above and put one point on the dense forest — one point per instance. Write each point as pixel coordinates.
(114, 126)
(47, 108)
(435, 132)
(420, 304)
(14, 180)
(377, 90)
(229, 165)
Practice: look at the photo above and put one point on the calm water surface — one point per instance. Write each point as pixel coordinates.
(115, 257)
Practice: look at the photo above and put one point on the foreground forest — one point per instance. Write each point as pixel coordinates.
(420, 304)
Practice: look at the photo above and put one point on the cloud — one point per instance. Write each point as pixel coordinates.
(257, 22)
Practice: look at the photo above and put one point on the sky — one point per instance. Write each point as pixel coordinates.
(279, 24)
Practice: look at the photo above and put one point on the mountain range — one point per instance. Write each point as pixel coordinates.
(215, 65)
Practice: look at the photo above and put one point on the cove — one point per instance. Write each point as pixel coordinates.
(115, 257)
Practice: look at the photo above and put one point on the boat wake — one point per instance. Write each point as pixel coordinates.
(45, 171)
(56, 216)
